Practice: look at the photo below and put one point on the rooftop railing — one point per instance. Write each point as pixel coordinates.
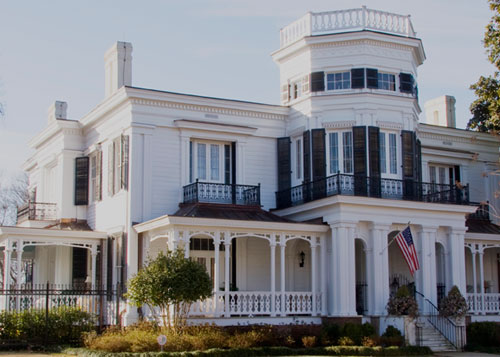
(321, 23)
(210, 192)
(37, 211)
(341, 184)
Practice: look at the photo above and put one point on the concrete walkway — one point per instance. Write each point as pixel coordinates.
(463, 354)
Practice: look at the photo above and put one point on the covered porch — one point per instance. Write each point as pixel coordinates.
(261, 265)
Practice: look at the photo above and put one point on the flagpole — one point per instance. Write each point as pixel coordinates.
(392, 240)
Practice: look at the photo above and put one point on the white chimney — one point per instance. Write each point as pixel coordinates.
(441, 111)
(57, 111)
(117, 67)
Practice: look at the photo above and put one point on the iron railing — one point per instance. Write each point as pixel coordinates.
(105, 305)
(342, 184)
(39, 211)
(455, 334)
(210, 192)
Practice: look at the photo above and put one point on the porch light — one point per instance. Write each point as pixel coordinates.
(302, 256)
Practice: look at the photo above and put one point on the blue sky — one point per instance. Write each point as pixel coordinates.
(53, 50)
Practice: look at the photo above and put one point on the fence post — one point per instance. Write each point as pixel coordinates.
(46, 310)
(118, 293)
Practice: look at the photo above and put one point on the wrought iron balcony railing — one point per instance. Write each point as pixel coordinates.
(341, 184)
(210, 192)
(37, 211)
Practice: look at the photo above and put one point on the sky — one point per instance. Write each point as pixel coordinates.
(53, 50)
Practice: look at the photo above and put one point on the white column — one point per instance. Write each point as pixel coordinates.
(474, 278)
(324, 311)
(313, 277)
(216, 273)
(6, 266)
(93, 253)
(481, 279)
(378, 274)
(282, 274)
(343, 270)
(19, 261)
(457, 259)
(227, 253)
(426, 275)
(186, 247)
(272, 245)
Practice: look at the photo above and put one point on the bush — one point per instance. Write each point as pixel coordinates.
(453, 304)
(64, 325)
(309, 341)
(483, 334)
(403, 303)
(391, 337)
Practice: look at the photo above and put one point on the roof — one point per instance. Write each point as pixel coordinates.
(225, 211)
(483, 226)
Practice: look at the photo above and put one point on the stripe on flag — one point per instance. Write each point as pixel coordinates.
(405, 242)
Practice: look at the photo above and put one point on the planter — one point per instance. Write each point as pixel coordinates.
(405, 324)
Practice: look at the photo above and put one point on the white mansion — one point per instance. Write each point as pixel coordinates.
(290, 207)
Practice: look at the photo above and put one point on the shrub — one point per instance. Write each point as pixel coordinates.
(453, 304)
(391, 337)
(330, 334)
(483, 334)
(368, 342)
(309, 341)
(345, 341)
(403, 303)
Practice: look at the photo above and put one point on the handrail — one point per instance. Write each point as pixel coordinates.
(213, 192)
(358, 185)
(445, 326)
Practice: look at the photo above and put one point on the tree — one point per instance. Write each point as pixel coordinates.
(486, 108)
(171, 283)
(13, 193)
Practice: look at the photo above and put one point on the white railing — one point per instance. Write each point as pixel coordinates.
(320, 23)
(258, 303)
(489, 303)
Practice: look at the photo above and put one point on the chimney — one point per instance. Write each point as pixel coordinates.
(441, 111)
(117, 67)
(57, 111)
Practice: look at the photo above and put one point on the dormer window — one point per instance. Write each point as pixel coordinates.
(339, 80)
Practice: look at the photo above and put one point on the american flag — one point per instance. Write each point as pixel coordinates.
(405, 242)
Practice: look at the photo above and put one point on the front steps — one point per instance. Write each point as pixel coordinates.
(432, 338)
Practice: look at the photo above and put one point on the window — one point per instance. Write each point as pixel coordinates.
(386, 81)
(209, 161)
(96, 176)
(334, 153)
(118, 164)
(388, 153)
(340, 80)
(347, 151)
(298, 160)
(444, 174)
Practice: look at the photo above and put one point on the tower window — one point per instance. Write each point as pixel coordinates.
(339, 80)
(386, 81)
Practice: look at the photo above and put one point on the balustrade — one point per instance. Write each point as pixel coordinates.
(320, 23)
(488, 303)
(211, 192)
(39, 211)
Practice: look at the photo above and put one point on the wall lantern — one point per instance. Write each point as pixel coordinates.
(302, 256)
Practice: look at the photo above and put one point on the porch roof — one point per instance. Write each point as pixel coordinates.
(483, 226)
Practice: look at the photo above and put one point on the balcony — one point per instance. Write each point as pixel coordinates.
(37, 211)
(341, 184)
(209, 192)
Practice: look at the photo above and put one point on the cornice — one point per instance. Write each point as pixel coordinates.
(389, 125)
(207, 109)
(339, 124)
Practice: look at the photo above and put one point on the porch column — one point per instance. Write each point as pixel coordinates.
(426, 275)
(474, 279)
(457, 259)
(19, 261)
(227, 253)
(378, 274)
(324, 311)
(481, 278)
(313, 277)
(216, 273)
(93, 252)
(273, 275)
(282, 275)
(186, 247)
(6, 265)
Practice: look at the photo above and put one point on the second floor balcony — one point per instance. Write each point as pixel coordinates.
(37, 211)
(341, 184)
(211, 192)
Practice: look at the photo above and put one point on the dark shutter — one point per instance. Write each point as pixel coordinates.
(233, 163)
(111, 164)
(418, 161)
(406, 83)
(457, 174)
(123, 259)
(81, 181)
(227, 164)
(371, 78)
(359, 152)
(284, 173)
(408, 154)
(374, 157)
(109, 269)
(318, 162)
(125, 161)
(306, 139)
(317, 81)
(357, 78)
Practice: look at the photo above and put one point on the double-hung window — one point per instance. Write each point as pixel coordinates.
(388, 153)
(209, 161)
(339, 80)
(386, 81)
(340, 152)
